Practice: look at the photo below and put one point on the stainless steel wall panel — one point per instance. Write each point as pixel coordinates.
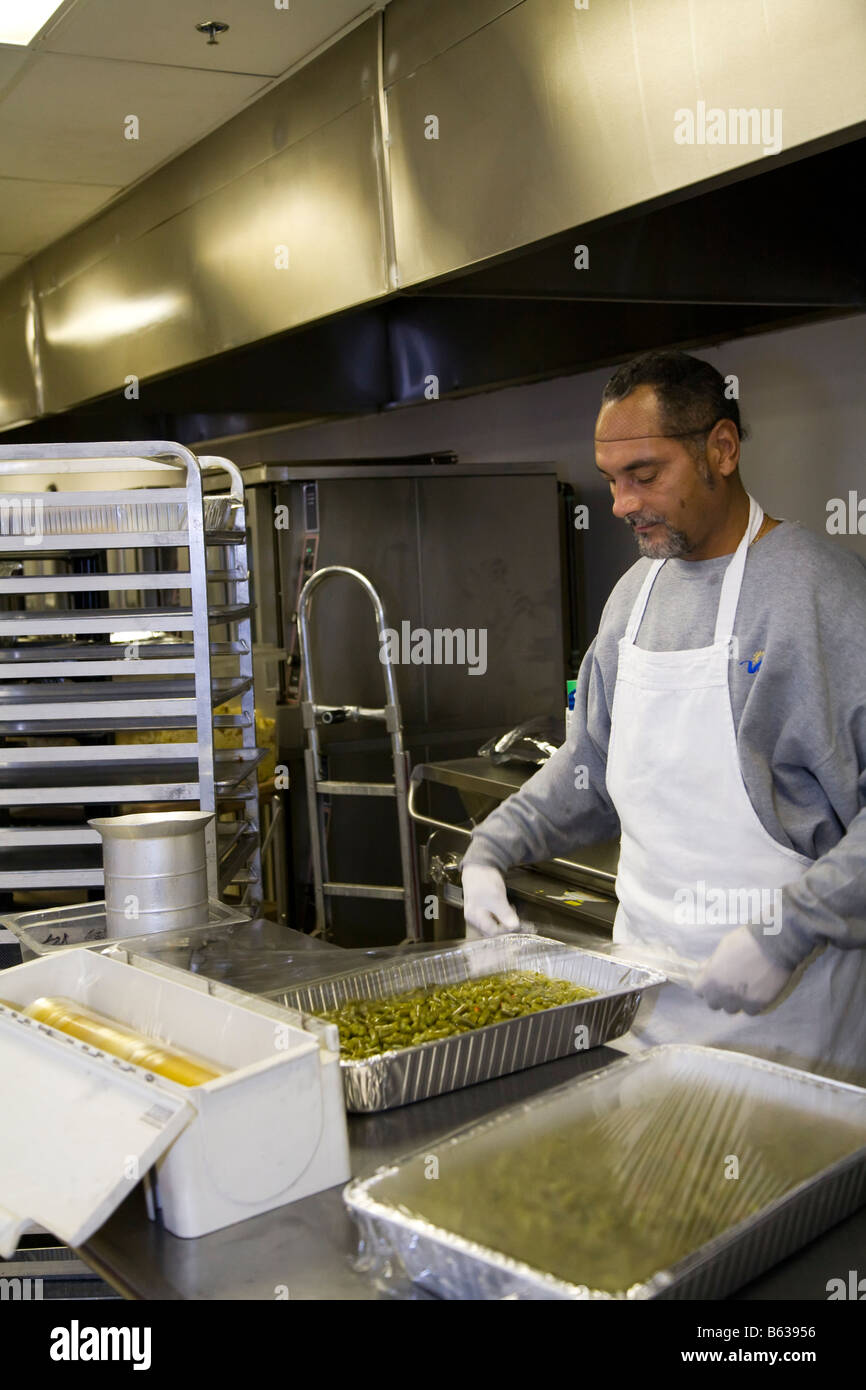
(185, 267)
(418, 30)
(19, 396)
(207, 280)
(319, 198)
(551, 117)
(370, 525)
(455, 552)
(341, 78)
(137, 312)
(497, 571)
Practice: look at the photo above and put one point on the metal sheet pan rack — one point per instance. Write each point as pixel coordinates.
(126, 670)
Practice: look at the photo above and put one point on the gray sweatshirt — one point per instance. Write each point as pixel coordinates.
(798, 694)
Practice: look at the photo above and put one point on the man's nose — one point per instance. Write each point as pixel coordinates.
(624, 498)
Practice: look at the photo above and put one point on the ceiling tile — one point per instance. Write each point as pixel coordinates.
(64, 119)
(33, 213)
(261, 38)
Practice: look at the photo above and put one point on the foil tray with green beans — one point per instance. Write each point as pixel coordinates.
(604, 996)
(369, 1027)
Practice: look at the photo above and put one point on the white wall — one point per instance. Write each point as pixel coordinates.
(801, 394)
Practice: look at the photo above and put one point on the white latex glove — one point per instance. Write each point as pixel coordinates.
(485, 903)
(739, 976)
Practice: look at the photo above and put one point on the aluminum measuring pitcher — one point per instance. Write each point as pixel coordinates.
(155, 871)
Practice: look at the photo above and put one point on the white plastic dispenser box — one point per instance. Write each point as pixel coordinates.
(79, 1127)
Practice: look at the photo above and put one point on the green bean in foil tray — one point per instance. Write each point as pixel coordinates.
(371, 1026)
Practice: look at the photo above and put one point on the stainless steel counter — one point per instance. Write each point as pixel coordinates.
(305, 1250)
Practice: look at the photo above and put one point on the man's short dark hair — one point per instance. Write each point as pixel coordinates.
(691, 393)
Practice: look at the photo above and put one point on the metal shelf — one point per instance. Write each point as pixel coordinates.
(78, 620)
(47, 837)
(82, 706)
(66, 679)
(25, 868)
(23, 548)
(163, 777)
(56, 660)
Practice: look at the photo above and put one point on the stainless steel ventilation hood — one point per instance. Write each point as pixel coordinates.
(433, 139)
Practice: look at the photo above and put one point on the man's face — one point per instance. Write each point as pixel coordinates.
(667, 496)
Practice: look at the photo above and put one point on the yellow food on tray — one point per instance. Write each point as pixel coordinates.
(223, 738)
(121, 1041)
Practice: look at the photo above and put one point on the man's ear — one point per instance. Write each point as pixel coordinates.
(723, 447)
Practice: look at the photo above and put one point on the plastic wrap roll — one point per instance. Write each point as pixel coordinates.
(110, 1036)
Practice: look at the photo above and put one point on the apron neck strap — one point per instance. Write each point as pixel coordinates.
(640, 602)
(731, 584)
(733, 580)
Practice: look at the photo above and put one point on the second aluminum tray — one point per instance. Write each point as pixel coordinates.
(48, 929)
(433, 1068)
(670, 1119)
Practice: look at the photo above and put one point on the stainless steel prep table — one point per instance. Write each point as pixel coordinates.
(305, 1250)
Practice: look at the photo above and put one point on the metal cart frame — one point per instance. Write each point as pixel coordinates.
(144, 684)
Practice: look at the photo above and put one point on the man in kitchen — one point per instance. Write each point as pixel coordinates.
(720, 729)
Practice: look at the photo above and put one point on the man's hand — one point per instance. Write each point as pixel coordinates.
(485, 903)
(739, 976)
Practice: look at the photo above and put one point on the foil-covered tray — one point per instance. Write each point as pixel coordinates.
(83, 518)
(774, 1155)
(432, 1068)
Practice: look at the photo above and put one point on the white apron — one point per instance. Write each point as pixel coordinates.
(688, 831)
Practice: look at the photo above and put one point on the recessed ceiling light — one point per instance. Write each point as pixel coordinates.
(21, 20)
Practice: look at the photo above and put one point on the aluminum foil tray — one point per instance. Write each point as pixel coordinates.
(51, 929)
(653, 1107)
(432, 1068)
(103, 518)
